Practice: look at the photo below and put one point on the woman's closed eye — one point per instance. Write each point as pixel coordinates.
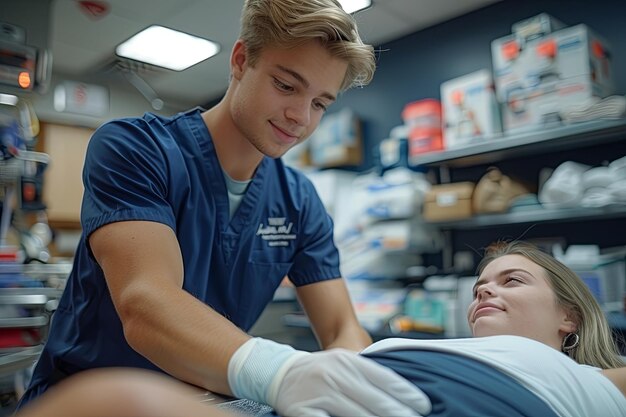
(513, 280)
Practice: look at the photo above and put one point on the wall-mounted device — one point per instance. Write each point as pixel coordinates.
(22, 67)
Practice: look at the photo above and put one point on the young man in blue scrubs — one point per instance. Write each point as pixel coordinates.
(191, 222)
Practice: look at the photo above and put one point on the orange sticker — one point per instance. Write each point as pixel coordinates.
(510, 50)
(598, 49)
(547, 48)
(457, 97)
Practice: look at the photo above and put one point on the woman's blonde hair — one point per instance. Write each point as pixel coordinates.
(597, 346)
(289, 23)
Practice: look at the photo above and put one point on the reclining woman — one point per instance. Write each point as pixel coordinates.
(542, 347)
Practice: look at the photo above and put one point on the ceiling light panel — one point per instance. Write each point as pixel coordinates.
(353, 6)
(164, 47)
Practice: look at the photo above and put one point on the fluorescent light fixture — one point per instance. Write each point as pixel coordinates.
(158, 45)
(353, 6)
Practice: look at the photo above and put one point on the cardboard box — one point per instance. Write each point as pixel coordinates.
(470, 110)
(538, 80)
(448, 202)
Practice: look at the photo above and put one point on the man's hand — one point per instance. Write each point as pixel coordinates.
(341, 383)
(335, 382)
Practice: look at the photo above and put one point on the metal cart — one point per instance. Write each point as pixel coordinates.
(29, 295)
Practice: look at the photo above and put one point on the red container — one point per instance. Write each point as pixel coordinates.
(423, 117)
(423, 113)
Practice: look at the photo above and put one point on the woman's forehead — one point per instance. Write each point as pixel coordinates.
(513, 262)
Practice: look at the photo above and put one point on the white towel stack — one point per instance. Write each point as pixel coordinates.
(613, 107)
(577, 185)
(618, 185)
(563, 188)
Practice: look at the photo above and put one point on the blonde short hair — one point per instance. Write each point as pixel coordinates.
(289, 23)
(597, 346)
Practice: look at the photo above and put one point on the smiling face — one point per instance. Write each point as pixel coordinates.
(512, 297)
(278, 102)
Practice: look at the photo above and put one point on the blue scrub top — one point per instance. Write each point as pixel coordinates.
(166, 170)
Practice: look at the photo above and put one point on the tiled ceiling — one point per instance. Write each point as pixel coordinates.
(83, 43)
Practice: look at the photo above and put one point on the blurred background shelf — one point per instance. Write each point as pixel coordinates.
(528, 143)
(539, 215)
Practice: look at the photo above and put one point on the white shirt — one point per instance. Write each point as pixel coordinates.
(569, 388)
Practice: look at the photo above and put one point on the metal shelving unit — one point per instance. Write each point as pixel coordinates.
(528, 143)
(540, 215)
(29, 295)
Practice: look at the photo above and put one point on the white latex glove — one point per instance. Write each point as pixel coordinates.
(336, 382)
(342, 383)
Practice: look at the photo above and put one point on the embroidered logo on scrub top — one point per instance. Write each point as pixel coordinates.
(277, 232)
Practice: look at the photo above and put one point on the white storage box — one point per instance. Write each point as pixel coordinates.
(538, 80)
(470, 109)
(536, 27)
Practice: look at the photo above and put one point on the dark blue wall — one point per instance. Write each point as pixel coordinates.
(414, 66)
